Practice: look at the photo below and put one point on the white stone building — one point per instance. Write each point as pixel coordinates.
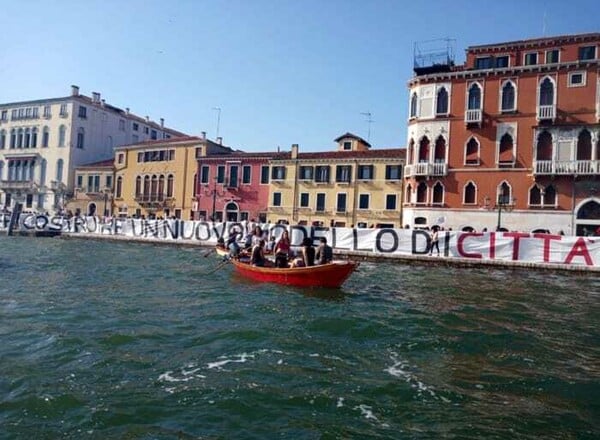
(42, 141)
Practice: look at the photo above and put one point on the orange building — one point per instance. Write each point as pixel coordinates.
(509, 140)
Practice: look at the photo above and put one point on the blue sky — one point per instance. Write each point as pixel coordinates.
(282, 72)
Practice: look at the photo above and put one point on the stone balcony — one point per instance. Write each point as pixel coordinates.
(566, 167)
(426, 169)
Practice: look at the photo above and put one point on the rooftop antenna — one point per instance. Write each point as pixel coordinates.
(218, 109)
(369, 121)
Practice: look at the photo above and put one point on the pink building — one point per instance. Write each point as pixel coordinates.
(234, 187)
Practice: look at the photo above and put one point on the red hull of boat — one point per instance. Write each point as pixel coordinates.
(326, 275)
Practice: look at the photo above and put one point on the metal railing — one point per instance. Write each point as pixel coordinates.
(567, 167)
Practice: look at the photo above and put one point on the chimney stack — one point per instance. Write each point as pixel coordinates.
(162, 122)
(74, 91)
(103, 102)
(294, 151)
(220, 140)
(203, 135)
(96, 97)
(127, 111)
(147, 119)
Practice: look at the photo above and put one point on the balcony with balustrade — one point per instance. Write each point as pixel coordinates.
(19, 185)
(473, 116)
(567, 167)
(426, 169)
(546, 112)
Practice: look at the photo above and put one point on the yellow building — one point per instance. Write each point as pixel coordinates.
(157, 179)
(353, 186)
(93, 192)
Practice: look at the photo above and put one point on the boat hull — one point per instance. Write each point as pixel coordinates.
(325, 275)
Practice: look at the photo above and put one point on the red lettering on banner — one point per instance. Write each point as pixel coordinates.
(460, 244)
(517, 240)
(547, 238)
(579, 249)
(492, 245)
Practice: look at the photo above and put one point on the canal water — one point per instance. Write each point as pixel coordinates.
(116, 340)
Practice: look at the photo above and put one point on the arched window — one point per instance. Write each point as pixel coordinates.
(474, 100)
(535, 196)
(80, 137)
(62, 131)
(547, 92)
(34, 134)
(408, 194)
(424, 149)
(147, 185)
(43, 167)
(13, 138)
(27, 141)
(470, 194)
(413, 105)
(506, 154)
(45, 137)
(170, 180)
(441, 107)
(438, 193)
(119, 189)
(584, 145)
(550, 196)
(422, 193)
(138, 186)
(154, 186)
(161, 185)
(472, 152)
(411, 151)
(2, 139)
(544, 146)
(59, 170)
(440, 150)
(504, 192)
(508, 97)
(20, 138)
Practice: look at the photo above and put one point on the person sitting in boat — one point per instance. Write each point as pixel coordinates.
(307, 256)
(257, 235)
(324, 252)
(270, 246)
(282, 250)
(258, 254)
(233, 246)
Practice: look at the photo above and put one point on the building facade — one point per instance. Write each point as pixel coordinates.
(158, 179)
(234, 187)
(509, 140)
(352, 186)
(93, 191)
(43, 141)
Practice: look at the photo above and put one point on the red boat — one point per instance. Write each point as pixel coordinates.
(325, 275)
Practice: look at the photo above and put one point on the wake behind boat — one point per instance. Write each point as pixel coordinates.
(325, 275)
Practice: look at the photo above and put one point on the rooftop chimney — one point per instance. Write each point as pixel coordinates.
(162, 122)
(220, 140)
(147, 119)
(203, 135)
(294, 151)
(103, 102)
(96, 97)
(127, 111)
(74, 91)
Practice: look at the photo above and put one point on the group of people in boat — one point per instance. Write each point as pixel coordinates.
(256, 247)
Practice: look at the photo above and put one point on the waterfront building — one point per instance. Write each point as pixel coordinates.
(93, 191)
(158, 178)
(234, 186)
(352, 186)
(508, 140)
(43, 141)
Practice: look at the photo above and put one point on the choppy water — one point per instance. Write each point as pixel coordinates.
(105, 340)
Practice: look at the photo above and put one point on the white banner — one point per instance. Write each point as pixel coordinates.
(508, 246)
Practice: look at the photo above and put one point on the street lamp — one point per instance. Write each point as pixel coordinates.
(107, 192)
(503, 203)
(214, 193)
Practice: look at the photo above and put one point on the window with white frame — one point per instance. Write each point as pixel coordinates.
(587, 53)
(278, 173)
(552, 56)
(341, 202)
(320, 202)
(438, 194)
(441, 106)
(474, 97)
(342, 173)
(508, 100)
(322, 174)
(413, 105)
(306, 172)
(304, 200)
(80, 137)
(276, 199)
(577, 79)
(530, 58)
(472, 152)
(363, 201)
(246, 174)
(470, 194)
(390, 202)
(366, 172)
